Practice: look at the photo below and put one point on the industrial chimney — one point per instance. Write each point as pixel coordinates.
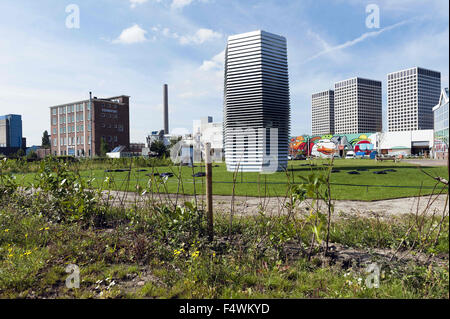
(166, 109)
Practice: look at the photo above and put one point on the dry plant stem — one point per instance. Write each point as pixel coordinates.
(436, 178)
(329, 204)
(409, 229)
(178, 186)
(431, 229)
(195, 191)
(444, 214)
(232, 199)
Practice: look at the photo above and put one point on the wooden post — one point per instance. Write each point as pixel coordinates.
(209, 195)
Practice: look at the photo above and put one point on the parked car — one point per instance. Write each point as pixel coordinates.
(336, 156)
(300, 157)
(350, 154)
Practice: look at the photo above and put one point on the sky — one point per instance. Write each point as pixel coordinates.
(133, 47)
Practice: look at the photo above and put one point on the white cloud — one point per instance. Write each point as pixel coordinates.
(216, 63)
(167, 33)
(134, 3)
(134, 34)
(201, 36)
(179, 4)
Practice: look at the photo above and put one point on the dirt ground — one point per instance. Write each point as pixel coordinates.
(426, 162)
(279, 205)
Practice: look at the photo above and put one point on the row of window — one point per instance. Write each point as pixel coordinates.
(71, 141)
(111, 116)
(402, 74)
(70, 108)
(71, 129)
(110, 138)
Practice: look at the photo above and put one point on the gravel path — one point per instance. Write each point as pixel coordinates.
(426, 162)
(278, 205)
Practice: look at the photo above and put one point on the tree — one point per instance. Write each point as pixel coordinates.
(159, 148)
(20, 152)
(104, 147)
(46, 140)
(32, 155)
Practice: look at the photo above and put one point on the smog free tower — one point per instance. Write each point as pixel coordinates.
(256, 102)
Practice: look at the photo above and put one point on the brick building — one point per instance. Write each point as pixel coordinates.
(77, 126)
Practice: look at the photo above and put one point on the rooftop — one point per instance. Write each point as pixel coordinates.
(109, 99)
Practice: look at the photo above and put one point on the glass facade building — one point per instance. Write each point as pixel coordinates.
(11, 131)
(440, 112)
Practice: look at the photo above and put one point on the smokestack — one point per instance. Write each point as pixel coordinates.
(166, 109)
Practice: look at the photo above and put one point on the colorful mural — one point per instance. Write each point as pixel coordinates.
(328, 145)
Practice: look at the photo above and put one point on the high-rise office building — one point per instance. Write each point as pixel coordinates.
(78, 127)
(322, 112)
(256, 102)
(357, 106)
(11, 131)
(412, 94)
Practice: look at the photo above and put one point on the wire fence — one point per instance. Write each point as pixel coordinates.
(286, 183)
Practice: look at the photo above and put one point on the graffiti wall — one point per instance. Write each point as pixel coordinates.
(328, 145)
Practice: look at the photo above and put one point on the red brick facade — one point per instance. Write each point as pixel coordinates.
(75, 126)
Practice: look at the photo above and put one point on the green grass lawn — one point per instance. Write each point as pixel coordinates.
(406, 181)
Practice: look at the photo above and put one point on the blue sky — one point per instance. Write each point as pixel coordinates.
(133, 47)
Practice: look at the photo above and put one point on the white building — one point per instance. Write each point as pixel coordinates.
(412, 94)
(322, 110)
(191, 148)
(207, 131)
(357, 106)
(256, 102)
(406, 142)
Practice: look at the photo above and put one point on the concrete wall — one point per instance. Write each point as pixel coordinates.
(4, 128)
(404, 140)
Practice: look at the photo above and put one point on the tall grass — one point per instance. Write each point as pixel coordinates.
(280, 252)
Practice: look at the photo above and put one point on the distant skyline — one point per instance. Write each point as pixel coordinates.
(134, 47)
